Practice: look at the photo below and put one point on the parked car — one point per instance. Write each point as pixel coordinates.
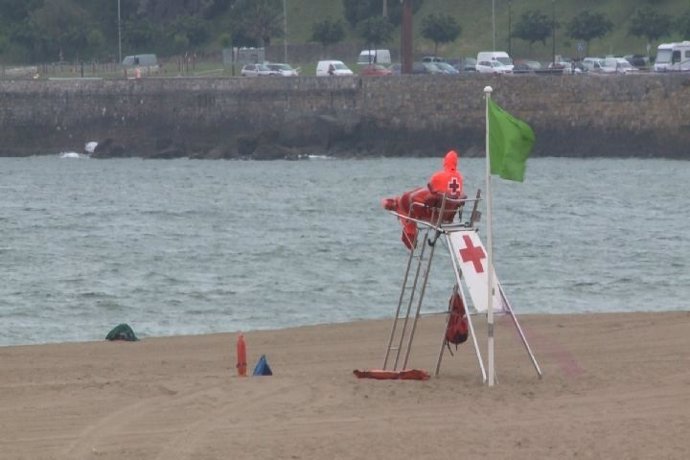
(257, 70)
(433, 59)
(521, 67)
(467, 64)
(495, 67)
(446, 68)
(146, 63)
(375, 70)
(286, 70)
(374, 57)
(566, 67)
(332, 68)
(625, 67)
(593, 64)
(638, 60)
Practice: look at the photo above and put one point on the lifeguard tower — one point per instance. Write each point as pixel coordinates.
(469, 263)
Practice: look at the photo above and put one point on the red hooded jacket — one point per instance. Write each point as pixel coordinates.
(449, 180)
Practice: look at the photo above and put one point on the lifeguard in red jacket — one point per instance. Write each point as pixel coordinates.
(448, 180)
(419, 203)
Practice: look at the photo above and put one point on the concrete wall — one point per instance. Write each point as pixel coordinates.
(640, 115)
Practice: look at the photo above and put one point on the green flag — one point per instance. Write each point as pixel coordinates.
(510, 143)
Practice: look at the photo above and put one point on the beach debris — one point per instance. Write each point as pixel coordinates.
(241, 356)
(122, 332)
(262, 367)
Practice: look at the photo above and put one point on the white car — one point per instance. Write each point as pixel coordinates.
(332, 68)
(493, 67)
(625, 67)
(257, 70)
(286, 70)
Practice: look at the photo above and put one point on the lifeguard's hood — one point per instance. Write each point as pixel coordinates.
(450, 162)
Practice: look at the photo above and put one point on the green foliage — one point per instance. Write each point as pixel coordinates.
(58, 28)
(587, 26)
(533, 26)
(259, 20)
(141, 34)
(356, 11)
(225, 40)
(650, 24)
(12, 11)
(328, 32)
(375, 30)
(440, 28)
(682, 25)
(88, 29)
(194, 29)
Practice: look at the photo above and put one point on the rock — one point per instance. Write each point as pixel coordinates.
(108, 148)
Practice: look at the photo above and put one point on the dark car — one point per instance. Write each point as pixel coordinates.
(638, 60)
(522, 68)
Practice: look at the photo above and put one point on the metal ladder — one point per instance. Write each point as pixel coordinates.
(412, 291)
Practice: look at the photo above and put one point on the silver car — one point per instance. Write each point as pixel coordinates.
(286, 70)
(257, 70)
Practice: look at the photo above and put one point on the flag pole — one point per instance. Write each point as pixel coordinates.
(489, 240)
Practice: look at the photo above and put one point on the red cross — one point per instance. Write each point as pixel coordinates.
(473, 254)
(454, 186)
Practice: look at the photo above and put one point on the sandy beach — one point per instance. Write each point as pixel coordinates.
(615, 386)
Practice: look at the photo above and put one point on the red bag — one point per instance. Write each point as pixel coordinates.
(458, 326)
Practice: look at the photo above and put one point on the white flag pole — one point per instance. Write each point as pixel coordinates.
(489, 246)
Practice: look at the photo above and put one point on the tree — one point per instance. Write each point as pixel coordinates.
(191, 28)
(59, 29)
(328, 32)
(440, 28)
(375, 30)
(650, 24)
(587, 26)
(356, 11)
(682, 25)
(140, 34)
(259, 20)
(169, 10)
(533, 26)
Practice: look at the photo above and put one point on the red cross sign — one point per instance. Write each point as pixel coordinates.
(472, 253)
(453, 186)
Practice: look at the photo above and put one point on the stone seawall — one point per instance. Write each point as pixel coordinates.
(584, 115)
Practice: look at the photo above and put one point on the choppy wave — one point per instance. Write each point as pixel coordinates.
(191, 247)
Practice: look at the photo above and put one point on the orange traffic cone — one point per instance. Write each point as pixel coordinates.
(241, 356)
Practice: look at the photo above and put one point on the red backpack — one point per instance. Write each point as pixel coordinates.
(458, 326)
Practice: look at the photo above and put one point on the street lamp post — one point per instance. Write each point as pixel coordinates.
(553, 32)
(493, 24)
(285, 56)
(510, 33)
(119, 32)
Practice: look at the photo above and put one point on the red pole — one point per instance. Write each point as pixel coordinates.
(241, 356)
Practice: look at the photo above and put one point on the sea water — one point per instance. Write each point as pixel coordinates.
(191, 247)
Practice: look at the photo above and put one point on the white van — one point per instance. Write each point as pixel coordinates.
(332, 68)
(499, 61)
(367, 57)
(146, 63)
